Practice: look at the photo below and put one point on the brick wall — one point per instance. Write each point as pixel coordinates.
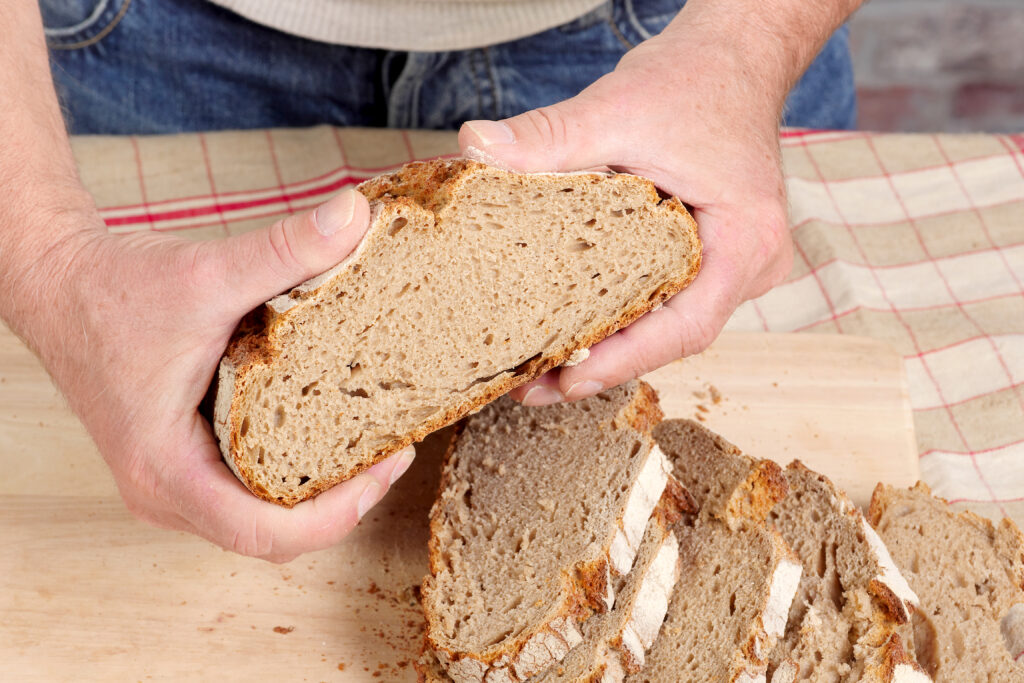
(940, 65)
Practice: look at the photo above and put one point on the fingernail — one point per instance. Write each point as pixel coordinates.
(369, 497)
(335, 214)
(541, 395)
(404, 461)
(492, 132)
(583, 389)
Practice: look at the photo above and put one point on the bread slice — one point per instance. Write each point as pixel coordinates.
(842, 626)
(616, 640)
(539, 510)
(969, 575)
(726, 484)
(471, 281)
(739, 577)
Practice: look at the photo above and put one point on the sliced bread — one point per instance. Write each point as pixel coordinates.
(540, 509)
(726, 484)
(969, 575)
(617, 640)
(842, 625)
(470, 281)
(739, 577)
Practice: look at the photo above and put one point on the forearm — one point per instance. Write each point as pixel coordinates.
(45, 209)
(773, 40)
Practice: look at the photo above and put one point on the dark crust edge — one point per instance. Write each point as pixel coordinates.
(257, 347)
(895, 654)
(585, 589)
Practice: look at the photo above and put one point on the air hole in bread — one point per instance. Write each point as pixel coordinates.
(244, 429)
(278, 417)
(397, 225)
(616, 212)
(602, 291)
(303, 479)
(356, 393)
(489, 339)
(306, 389)
(581, 245)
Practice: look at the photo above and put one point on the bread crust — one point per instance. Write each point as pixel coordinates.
(583, 591)
(417, 187)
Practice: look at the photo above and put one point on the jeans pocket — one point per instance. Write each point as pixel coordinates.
(74, 24)
(638, 20)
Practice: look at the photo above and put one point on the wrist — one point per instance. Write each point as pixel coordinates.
(42, 237)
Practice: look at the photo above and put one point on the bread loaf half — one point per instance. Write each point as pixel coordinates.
(470, 281)
(540, 510)
(842, 625)
(969, 575)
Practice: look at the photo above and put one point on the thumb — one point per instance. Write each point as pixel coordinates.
(567, 136)
(259, 265)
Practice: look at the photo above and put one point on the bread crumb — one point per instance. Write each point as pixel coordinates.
(341, 666)
(284, 630)
(577, 357)
(700, 394)
(700, 417)
(716, 395)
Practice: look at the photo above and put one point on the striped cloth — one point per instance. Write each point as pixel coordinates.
(915, 240)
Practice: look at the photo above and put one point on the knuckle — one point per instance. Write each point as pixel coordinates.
(253, 542)
(280, 240)
(549, 124)
(203, 268)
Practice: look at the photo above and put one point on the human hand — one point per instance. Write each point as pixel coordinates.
(688, 110)
(138, 326)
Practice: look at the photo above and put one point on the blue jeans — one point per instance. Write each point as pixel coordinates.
(163, 66)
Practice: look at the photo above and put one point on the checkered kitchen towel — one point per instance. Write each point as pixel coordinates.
(916, 240)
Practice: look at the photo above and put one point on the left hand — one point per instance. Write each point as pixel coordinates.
(700, 121)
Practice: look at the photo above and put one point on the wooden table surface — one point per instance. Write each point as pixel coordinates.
(88, 593)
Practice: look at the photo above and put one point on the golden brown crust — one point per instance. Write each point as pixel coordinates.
(643, 413)
(894, 654)
(423, 185)
(895, 608)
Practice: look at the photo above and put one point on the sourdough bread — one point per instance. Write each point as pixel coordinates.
(842, 625)
(617, 641)
(739, 577)
(969, 575)
(540, 510)
(470, 281)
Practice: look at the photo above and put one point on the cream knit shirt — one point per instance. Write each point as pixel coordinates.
(415, 25)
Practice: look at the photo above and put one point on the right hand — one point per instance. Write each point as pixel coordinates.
(132, 328)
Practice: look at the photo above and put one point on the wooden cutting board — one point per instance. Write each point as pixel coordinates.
(88, 593)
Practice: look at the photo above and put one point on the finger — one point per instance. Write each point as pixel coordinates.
(685, 325)
(256, 266)
(567, 136)
(222, 510)
(540, 392)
